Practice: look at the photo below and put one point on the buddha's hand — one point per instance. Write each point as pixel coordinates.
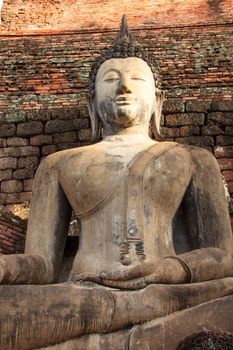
(167, 271)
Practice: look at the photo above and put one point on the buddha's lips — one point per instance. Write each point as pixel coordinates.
(124, 100)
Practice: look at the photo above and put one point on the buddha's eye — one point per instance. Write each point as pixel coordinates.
(138, 78)
(111, 79)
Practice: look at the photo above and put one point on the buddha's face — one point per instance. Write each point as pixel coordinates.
(125, 92)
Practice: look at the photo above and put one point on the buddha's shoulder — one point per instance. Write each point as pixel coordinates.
(65, 156)
(194, 154)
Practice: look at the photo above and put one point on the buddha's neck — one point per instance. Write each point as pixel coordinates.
(129, 135)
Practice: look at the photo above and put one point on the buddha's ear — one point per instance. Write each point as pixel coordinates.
(156, 117)
(95, 120)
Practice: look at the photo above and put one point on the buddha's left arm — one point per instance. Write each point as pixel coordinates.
(209, 222)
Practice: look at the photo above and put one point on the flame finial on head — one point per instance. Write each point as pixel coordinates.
(124, 34)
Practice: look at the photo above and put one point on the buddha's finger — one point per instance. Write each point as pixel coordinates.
(87, 277)
(138, 283)
(154, 278)
(130, 274)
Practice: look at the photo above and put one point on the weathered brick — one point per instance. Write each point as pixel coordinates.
(27, 185)
(225, 164)
(14, 116)
(220, 118)
(228, 175)
(224, 140)
(39, 115)
(230, 206)
(84, 135)
(48, 149)
(39, 140)
(7, 130)
(28, 162)
(8, 163)
(189, 130)
(200, 141)
(229, 130)
(226, 105)
(223, 151)
(55, 126)
(5, 174)
(30, 128)
(17, 141)
(24, 173)
(184, 119)
(22, 151)
(2, 198)
(211, 130)
(2, 143)
(173, 106)
(230, 187)
(11, 186)
(63, 146)
(65, 137)
(16, 198)
(197, 106)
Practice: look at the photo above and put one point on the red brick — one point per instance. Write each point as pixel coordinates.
(223, 152)
(228, 175)
(225, 163)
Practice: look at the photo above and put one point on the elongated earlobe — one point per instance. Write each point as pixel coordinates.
(156, 117)
(95, 120)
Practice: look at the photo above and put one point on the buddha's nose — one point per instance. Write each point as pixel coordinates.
(124, 86)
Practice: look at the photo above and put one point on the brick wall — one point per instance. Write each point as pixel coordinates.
(12, 234)
(43, 79)
(99, 14)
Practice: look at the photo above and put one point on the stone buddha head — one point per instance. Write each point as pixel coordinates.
(124, 88)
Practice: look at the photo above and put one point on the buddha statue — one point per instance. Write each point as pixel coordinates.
(135, 270)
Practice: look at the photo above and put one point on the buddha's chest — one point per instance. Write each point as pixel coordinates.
(90, 182)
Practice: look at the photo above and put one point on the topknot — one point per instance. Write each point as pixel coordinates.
(123, 47)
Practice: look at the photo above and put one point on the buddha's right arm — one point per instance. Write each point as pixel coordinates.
(23, 269)
(46, 233)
